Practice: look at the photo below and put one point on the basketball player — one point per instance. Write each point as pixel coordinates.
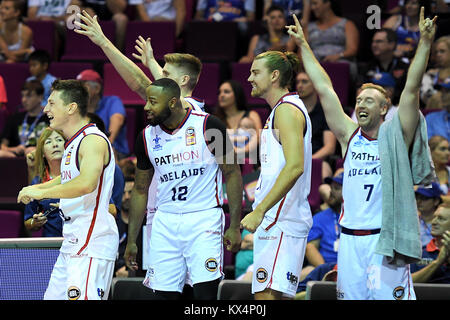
(281, 214)
(84, 268)
(188, 224)
(363, 274)
(183, 68)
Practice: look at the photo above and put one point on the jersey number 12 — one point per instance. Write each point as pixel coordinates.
(180, 194)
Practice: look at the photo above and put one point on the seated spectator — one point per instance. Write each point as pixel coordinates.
(440, 6)
(435, 264)
(428, 200)
(440, 154)
(50, 10)
(24, 128)
(387, 81)
(110, 109)
(110, 10)
(332, 38)
(441, 99)
(39, 63)
(46, 162)
(226, 10)
(383, 46)
(406, 26)
(276, 38)
(162, 10)
(301, 8)
(323, 238)
(244, 257)
(243, 125)
(440, 70)
(16, 38)
(322, 139)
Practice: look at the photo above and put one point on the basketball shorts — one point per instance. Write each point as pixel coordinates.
(80, 278)
(277, 261)
(184, 243)
(365, 275)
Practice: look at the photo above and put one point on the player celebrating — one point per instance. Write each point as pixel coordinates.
(362, 273)
(188, 224)
(281, 214)
(85, 266)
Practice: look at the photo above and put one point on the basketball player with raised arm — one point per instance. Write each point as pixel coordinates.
(281, 214)
(186, 149)
(362, 273)
(85, 265)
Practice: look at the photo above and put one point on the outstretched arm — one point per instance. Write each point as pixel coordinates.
(128, 70)
(341, 124)
(408, 109)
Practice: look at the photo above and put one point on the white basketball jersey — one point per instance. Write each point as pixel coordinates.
(292, 213)
(196, 104)
(361, 188)
(189, 176)
(89, 229)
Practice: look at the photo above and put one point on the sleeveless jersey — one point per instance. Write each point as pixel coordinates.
(361, 188)
(292, 213)
(89, 229)
(189, 176)
(198, 106)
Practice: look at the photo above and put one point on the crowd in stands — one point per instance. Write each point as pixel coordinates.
(381, 56)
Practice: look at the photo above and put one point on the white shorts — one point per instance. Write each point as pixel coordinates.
(277, 261)
(365, 275)
(185, 242)
(80, 278)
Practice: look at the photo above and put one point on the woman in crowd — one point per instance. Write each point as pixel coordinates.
(243, 125)
(46, 161)
(406, 25)
(440, 154)
(15, 37)
(275, 38)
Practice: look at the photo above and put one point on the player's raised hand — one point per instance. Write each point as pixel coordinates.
(145, 50)
(91, 28)
(296, 31)
(427, 26)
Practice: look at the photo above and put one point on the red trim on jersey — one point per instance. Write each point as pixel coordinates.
(77, 134)
(217, 191)
(342, 213)
(275, 262)
(94, 217)
(196, 99)
(365, 135)
(169, 131)
(349, 140)
(87, 280)
(278, 214)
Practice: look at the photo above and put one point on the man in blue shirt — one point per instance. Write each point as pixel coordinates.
(438, 123)
(323, 239)
(110, 109)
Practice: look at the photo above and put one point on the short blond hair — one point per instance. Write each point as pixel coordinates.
(386, 101)
(189, 63)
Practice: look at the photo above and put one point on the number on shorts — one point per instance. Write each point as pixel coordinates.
(370, 187)
(180, 195)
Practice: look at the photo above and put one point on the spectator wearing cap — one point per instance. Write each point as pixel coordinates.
(388, 82)
(323, 238)
(438, 123)
(428, 199)
(110, 109)
(434, 267)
